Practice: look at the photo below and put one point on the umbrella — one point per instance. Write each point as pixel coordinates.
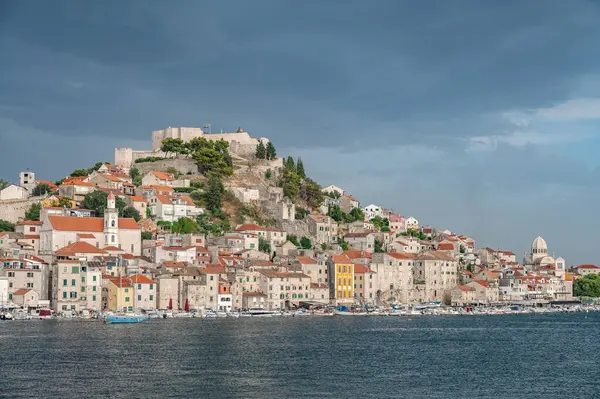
(187, 305)
(170, 303)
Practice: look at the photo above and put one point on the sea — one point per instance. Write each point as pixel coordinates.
(502, 356)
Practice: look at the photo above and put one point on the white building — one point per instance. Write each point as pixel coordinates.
(173, 208)
(27, 180)
(14, 192)
(372, 211)
(76, 286)
(333, 189)
(110, 230)
(144, 292)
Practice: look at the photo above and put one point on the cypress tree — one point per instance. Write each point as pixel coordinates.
(300, 168)
(261, 152)
(271, 153)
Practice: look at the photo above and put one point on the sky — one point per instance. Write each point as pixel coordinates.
(475, 116)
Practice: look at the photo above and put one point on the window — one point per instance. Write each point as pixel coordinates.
(94, 297)
(32, 229)
(73, 282)
(126, 299)
(75, 269)
(151, 297)
(94, 288)
(10, 285)
(213, 277)
(126, 290)
(151, 286)
(139, 297)
(64, 294)
(83, 279)
(112, 239)
(139, 286)
(72, 294)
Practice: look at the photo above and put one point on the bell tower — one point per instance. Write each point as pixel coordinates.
(111, 222)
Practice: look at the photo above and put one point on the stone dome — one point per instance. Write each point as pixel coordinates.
(546, 260)
(539, 244)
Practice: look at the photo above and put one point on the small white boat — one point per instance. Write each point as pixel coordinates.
(21, 315)
(221, 314)
(181, 315)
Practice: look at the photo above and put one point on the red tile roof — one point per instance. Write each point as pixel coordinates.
(169, 263)
(86, 235)
(21, 291)
(250, 227)
(305, 260)
(30, 223)
(465, 288)
(355, 254)
(135, 198)
(587, 267)
(78, 247)
(358, 268)
(72, 223)
(32, 236)
(445, 247)
(141, 279)
(121, 282)
(112, 248)
(214, 269)
(163, 176)
(400, 255)
(162, 188)
(342, 259)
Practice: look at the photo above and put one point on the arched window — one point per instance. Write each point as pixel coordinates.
(112, 223)
(112, 238)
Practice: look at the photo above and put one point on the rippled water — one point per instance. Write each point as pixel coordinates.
(533, 356)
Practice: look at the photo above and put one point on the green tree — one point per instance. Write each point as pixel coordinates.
(378, 246)
(335, 213)
(301, 213)
(587, 286)
(79, 173)
(184, 226)
(40, 189)
(148, 212)
(172, 145)
(33, 213)
(293, 239)
(146, 235)
(6, 225)
(213, 194)
(357, 214)
(311, 193)
(343, 244)
(131, 212)
(268, 174)
(271, 153)
(290, 182)
(380, 222)
(212, 157)
(289, 164)
(305, 243)
(97, 201)
(261, 152)
(264, 245)
(136, 177)
(300, 168)
(4, 184)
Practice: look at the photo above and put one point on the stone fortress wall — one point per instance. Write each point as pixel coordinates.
(240, 143)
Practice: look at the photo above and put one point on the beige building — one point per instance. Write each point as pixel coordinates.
(361, 241)
(394, 274)
(76, 286)
(284, 290)
(31, 273)
(144, 292)
(26, 298)
(167, 290)
(435, 276)
(317, 272)
(323, 228)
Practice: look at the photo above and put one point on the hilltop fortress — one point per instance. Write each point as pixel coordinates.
(240, 143)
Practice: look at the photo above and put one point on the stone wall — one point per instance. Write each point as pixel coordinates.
(14, 210)
(183, 165)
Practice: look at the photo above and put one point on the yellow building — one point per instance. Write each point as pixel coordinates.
(341, 279)
(120, 294)
(58, 202)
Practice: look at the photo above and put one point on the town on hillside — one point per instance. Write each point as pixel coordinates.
(219, 222)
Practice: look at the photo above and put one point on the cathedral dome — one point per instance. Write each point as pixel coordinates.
(539, 244)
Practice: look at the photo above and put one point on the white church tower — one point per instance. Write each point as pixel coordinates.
(111, 222)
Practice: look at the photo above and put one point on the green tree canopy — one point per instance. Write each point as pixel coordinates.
(335, 213)
(293, 239)
(131, 212)
(173, 145)
(4, 184)
(380, 222)
(357, 214)
(184, 226)
(271, 153)
(214, 193)
(378, 246)
(300, 168)
(146, 235)
(40, 189)
(261, 151)
(305, 243)
(33, 213)
(268, 174)
(136, 177)
(289, 164)
(587, 286)
(211, 156)
(264, 245)
(6, 225)
(63, 202)
(97, 201)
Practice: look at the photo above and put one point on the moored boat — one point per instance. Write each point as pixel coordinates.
(123, 319)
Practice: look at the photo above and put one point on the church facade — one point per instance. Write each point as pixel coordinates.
(110, 230)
